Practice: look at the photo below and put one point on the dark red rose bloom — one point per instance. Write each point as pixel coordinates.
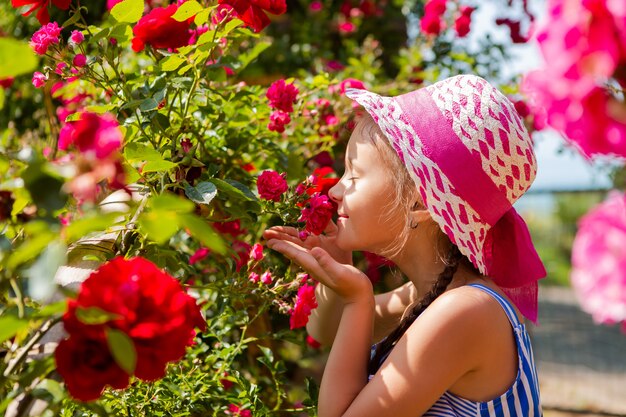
(42, 15)
(6, 204)
(87, 367)
(160, 31)
(320, 182)
(152, 309)
(252, 12)
(317, 214)
(242, 254)
(271, 185)
(232, 228)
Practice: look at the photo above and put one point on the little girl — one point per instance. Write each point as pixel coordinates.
(430, 180)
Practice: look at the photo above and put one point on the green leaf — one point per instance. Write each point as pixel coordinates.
(186, 10)
(41, 285)
(148, 104)
(229, 27)
(10, 325)
(44, 189)
(128, 11)
(203, 193)
(30, 249)
(203, 17)
(171, 203)
(86, 225)
(234, 189)
(52, 309)
(158, 226)
(73, 19)
(172, 62)
(95, 315)
(252, 54)
(122, 350)
(135, 152)
(156, 166)
(201, 230)
(16, 58)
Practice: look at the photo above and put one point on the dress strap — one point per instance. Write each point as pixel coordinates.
(506, 305)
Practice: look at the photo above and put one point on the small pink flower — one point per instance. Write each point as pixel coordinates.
(77, 37)
(346, 28)
(39, 79)
(271, 185)
(186, 145)
(305, 302)
(599, 261)
(254, 278)
(463, 21)
(226, 383)
(315, 6)
(303, 234)
(60, 67)
(282, 96)
(199, 255)
(266, 278)
(44, 37)
(257, 252)
(278, 120)
(79, 61)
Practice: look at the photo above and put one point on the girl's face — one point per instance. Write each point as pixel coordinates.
(362, 195)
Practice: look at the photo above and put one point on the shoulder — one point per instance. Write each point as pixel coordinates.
(467, 316)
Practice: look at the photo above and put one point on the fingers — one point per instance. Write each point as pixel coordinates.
(282, 233)
(299, 255)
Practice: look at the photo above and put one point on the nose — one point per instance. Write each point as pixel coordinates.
(335, 192)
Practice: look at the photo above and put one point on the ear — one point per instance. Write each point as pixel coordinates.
(419, 214)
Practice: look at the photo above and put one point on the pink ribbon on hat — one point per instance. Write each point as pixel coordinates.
(510, 257)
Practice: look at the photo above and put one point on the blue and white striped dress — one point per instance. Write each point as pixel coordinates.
(520, 400)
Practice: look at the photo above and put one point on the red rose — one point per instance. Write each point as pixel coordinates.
(42, 15)
(87, 367)
(252, 12)
(305, 302)
(317, 214)
(271, 185)
(152, 309)
(160, 31)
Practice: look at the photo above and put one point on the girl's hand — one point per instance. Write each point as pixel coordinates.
(325, 241)
(350, 284)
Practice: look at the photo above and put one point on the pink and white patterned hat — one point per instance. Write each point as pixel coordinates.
(470, 156)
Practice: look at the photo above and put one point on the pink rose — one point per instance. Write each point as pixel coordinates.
(266, 278)
(282, 96)
(318, 213)
(47, 35)
(271, 185)
(257, 252)
(599, 261)
(254, 278)
(199, 255)
(278, 120)
(79, 61)
(305, 302)
(39, 79)
(77, 37)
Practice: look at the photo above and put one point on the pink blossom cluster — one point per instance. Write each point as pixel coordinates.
(234, 410)
(578, 91)
(46, 36)
(304, 303)
(281, 96)
(271, 185)
(97, 138)
(599, 261)
(432, 22)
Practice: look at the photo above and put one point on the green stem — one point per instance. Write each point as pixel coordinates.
(19, 297)
(24, 352)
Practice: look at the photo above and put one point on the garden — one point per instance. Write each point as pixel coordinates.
(145, 145)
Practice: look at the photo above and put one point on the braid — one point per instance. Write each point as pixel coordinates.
(439, 287)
